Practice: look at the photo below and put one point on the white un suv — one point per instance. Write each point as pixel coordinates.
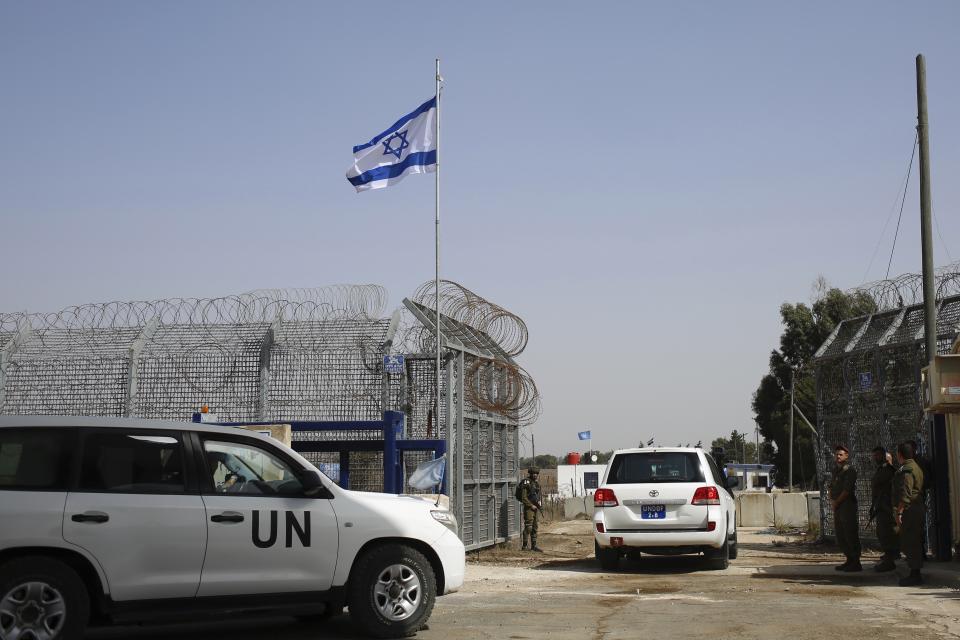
(665, 501)
(113, 520)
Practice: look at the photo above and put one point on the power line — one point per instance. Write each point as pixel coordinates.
(902, 202)
(942, 241)
(893, 208)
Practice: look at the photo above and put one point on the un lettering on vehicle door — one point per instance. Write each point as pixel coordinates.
(263, 535)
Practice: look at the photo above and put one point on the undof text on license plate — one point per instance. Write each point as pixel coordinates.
(653, 511)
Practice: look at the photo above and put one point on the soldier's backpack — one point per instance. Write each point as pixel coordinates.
(518, 493)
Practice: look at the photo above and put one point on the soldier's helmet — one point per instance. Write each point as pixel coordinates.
(533, 471)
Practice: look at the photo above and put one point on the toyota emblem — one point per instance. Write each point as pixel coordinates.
(654, 493)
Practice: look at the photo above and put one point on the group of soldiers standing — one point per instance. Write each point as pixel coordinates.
(898, 508)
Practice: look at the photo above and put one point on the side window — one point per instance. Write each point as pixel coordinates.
(249, 469)
(132, 463)
(35, 459)
(715, 472)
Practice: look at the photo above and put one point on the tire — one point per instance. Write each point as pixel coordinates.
(377, 575)
(54, 595)
(609, 559)
(719, 559)
(733, 546)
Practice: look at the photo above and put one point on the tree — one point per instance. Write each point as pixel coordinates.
(805, 328)
(542, 461)
(737, 448)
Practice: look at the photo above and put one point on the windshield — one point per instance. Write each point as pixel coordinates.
(675, 466)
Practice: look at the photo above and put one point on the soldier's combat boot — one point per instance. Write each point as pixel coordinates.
(842, 567)
(853, 567)
(523, 547)
(911, 580)
(533, 545)
(886, 564)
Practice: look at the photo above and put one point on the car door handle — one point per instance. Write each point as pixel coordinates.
(96, 517)
(227, 516)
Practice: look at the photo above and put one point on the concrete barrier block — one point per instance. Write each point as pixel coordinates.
(572, 507)
(755, 509)
(790, 509)
(813, 507)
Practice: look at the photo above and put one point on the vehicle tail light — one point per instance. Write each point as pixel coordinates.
(706, 495)
(600, 527)
(711, 526)
(605, 498)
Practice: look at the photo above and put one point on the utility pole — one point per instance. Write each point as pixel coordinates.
(926, 238)
(793, 384)
(533, 445)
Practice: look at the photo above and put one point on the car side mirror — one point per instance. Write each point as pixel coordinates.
(313, 486)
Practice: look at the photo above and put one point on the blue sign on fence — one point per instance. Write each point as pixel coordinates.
(393, 364)
(866, 380)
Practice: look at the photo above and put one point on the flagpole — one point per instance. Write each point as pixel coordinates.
(437, 256)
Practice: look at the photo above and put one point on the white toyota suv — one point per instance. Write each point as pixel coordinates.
(118, 520)
(664, 501)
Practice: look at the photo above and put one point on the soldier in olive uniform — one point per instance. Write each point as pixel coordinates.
(843, 499)
(531, 498)
(909, 511)
(881, 510)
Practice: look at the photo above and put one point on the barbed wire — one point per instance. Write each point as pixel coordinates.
(507, 329)
(325, 347)
(496, 384)
(166, 358)
(907, 289)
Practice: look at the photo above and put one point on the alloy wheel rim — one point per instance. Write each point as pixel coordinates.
(397, 592)
(32, 611)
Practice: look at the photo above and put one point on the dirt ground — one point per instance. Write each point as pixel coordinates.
(777, 588)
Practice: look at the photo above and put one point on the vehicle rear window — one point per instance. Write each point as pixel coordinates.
(675, 466)
(35, 459)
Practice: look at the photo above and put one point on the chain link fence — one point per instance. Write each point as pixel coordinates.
(304, 354)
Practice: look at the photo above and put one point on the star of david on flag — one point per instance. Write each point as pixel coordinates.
(583, 435)
(409, 146)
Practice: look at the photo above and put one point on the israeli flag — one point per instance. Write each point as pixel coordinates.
(409, 146)
(583, 435)
(429, 474)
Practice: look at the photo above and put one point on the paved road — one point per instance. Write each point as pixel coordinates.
(769, 592)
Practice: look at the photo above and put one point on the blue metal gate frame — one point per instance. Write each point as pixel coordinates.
(392, 444)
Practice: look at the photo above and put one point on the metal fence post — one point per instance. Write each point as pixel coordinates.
(392, 425)
(133, 366)
(266, 346)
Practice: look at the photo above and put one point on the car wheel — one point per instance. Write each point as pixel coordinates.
(719, 559)
(392, 591)
(609, 559)
(733, 545)
(42, 599)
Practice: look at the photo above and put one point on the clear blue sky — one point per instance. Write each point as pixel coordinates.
(644, 182)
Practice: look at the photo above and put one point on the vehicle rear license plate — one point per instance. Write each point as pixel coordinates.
(653, 512)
